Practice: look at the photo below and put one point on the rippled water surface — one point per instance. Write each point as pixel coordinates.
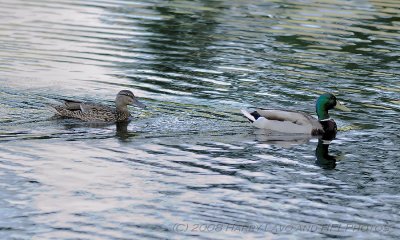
(190, 165)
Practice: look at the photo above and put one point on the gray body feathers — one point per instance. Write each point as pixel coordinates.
(285, 121)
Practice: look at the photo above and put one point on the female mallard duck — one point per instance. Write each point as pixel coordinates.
(299, 122)
(97, 112)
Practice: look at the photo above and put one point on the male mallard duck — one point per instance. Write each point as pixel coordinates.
(97, 112)
(299, 122)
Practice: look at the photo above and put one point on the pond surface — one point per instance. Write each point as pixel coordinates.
(190, 165)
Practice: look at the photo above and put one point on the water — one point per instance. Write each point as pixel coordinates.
(190, 165)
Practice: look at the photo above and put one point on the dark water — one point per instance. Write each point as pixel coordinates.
(190, 165)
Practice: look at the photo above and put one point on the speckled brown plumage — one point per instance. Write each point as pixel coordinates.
(96, 113)
(99, 112)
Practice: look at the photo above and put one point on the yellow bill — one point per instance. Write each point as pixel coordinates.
(342, 107)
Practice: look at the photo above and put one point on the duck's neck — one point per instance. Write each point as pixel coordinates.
(322, 112)
(122, 108)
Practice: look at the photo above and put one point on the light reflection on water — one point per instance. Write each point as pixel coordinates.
(190, 158)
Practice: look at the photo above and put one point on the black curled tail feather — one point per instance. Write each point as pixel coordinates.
(252, 117)
(255, 114)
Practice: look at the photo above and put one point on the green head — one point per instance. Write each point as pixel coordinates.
(326, 102)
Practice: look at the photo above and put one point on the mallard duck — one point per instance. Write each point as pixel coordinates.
(97, 112)
(298, 122)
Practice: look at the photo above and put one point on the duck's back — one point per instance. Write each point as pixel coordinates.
(86, 111)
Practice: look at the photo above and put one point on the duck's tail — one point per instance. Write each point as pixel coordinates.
(54, 108)
(248, 115)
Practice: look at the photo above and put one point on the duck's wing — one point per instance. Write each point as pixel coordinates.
(86, 111)
(93, 107)
(72, 105)
(295, 117)
(97, 112)
(67, 109)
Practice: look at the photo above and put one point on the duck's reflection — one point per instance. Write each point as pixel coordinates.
(324, 159)
(122, 132)
(69, 123)
(282, 140)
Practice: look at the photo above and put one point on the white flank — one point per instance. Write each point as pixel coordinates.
(282, 126)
